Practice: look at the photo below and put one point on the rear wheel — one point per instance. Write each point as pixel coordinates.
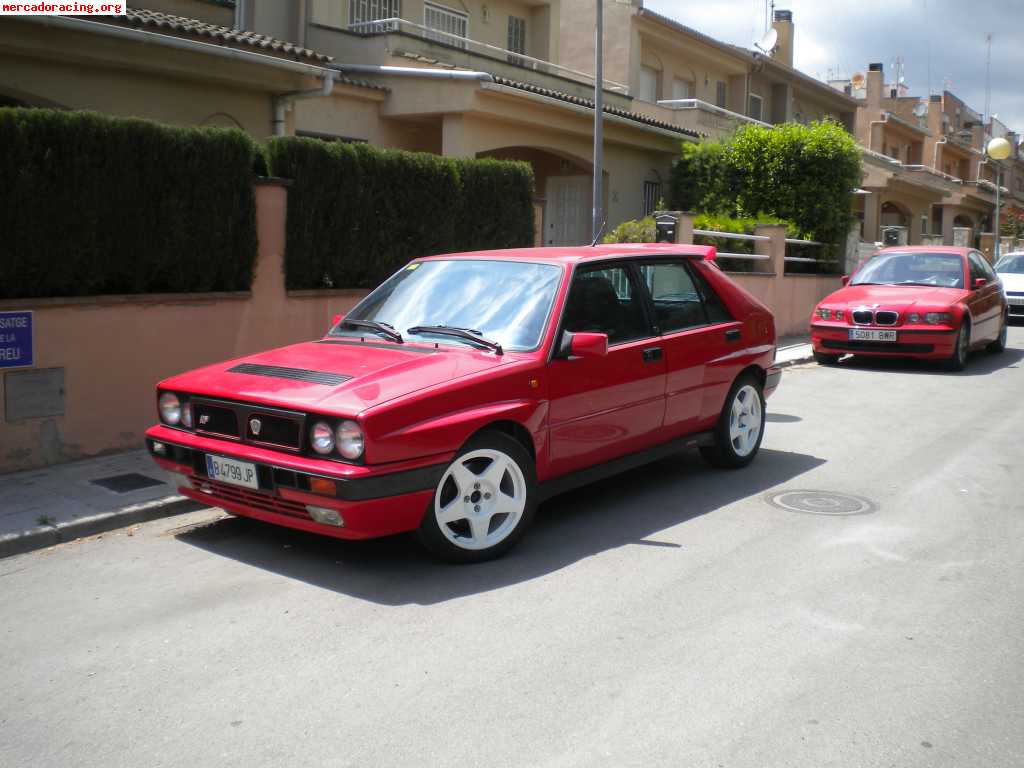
(823, 359)
(484, 501)
(999, 344)
(961, 348)
(740, 427)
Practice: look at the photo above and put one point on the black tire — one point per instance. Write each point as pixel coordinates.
(724, 453)
(957, 361)
(999, 345)
(460, 541)
(824, 359)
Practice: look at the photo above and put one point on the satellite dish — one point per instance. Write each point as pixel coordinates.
(920, 109)
(858, 80)
(767, 43)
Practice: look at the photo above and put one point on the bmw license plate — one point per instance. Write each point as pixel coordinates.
(869, 334)
(232, 472)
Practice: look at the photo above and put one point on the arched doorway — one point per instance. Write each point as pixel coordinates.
(563, 188)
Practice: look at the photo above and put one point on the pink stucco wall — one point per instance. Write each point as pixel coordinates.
(114, 349)
(791, 298)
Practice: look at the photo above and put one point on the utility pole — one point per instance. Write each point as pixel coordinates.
(988, 79)
(598, 212)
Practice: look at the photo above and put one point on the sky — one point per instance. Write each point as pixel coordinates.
(941, 42)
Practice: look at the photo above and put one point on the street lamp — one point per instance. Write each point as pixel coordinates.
(998, 149)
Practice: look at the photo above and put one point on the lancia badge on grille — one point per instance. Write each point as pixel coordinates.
(204, 419)
(255, 425)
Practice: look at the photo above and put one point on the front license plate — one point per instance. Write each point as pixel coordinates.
(233, 472)
(864, 334)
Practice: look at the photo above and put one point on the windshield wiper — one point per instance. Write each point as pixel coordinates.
(462, 333)
(372, 325)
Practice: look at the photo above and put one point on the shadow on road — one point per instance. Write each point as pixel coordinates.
(979, 364)
(781, 418)
(623, 510)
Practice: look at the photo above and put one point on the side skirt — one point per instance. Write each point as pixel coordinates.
(559, 485)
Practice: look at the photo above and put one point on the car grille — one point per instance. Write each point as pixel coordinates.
(276, 428)
(223, 492)
(213, 419)
(881, 317)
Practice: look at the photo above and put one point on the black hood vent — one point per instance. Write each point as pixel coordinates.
(295, 374)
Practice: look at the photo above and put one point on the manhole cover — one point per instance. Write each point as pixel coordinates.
(821, 503)
(127, 483)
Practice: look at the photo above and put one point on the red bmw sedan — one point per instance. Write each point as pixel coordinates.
(468, 387)
(932, 302)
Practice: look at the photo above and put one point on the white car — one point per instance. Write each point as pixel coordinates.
(1010, 269)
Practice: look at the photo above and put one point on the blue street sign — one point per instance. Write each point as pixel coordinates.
(15, 339)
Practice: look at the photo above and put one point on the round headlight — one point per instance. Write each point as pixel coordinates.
(350, 440)
(186, 415)
(321, 437)
(170, 408)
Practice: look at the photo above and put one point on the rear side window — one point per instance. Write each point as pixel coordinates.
(980, 267)
(713, 304)
(677, 302)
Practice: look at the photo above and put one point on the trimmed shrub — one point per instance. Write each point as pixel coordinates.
(101, 205)
(634, 231)
(357, 213)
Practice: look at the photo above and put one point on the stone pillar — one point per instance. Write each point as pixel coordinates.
(774, 248)
(872, 205)
(684, 228)
(947, 225)
(987, 245)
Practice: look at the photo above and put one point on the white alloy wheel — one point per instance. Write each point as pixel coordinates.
(480, 500)
(745, 421)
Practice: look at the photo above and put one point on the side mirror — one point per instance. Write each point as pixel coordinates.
(846, 279)
(583, 344)
(980, 282)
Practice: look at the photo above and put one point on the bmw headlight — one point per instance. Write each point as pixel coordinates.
(350, 440)
(321, 437)
(170, 408)
(938, 318)
(823, 313)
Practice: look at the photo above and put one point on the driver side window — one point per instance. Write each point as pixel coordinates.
(604, 301)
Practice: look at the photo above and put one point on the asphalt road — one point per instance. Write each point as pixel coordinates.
(670, 617)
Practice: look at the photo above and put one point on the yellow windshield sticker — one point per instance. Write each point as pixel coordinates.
(412, 266)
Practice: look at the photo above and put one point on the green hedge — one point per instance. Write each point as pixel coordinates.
(357, 213)
(99, 205)
(804, 174)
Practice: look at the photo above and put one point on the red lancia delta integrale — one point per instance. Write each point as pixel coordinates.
(469, 387)
(933, 302)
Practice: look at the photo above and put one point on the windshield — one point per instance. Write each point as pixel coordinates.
(1012, 263)
(945, 270)
(505, 301)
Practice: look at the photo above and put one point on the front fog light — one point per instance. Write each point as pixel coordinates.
(170, 408)
(350, 440)
(326, 516)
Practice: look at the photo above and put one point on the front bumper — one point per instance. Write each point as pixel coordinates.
(929, 344)
(372, 501)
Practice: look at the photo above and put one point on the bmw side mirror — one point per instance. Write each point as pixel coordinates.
(980, 282)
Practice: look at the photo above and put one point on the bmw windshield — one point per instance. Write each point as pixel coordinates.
(1012, 264)
(507, 302)
(943, 270)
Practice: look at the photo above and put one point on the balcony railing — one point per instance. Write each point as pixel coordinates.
(934, 172)
(711, 108)
(392, 25)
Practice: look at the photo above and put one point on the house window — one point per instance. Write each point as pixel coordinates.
(652, 194)
(361, 12)
(648, 84)
(721, 94)
(756, 107)
(682, 89)
(516, 35)
(451, 24)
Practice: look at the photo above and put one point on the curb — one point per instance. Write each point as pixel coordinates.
(49, 535)
(805, 358)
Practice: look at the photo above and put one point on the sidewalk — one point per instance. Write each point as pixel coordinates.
(43, 507)
(792, 350)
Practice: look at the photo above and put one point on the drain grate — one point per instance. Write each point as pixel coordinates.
(821, 503)
(132, 481)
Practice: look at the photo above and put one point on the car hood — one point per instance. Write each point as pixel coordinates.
(1012, 281)
(335, 376)
(893, 296)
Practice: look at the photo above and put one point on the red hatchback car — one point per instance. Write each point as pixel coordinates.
(468, 387)
(932, 302)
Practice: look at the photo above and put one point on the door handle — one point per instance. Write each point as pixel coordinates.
(652, 354)
(733, 334)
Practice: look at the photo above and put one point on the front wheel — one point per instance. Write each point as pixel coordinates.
(999, 345)
(484, 501)
(740, 427)
(961, 347)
